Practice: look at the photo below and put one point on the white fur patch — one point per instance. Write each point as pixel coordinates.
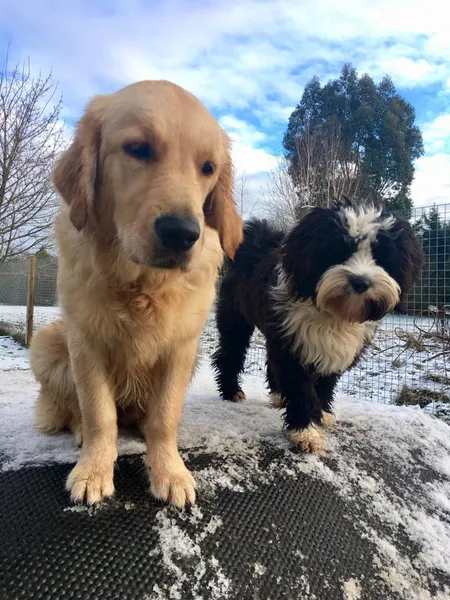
(309, 439)
(363, 263)
(335, 281)
(363, 223)
(322, 340)
(363, 226)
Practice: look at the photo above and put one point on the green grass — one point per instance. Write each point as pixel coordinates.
(422, 397)
(438, 378)
(17, 336)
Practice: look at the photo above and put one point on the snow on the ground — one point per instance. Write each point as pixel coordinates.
(12, 356)
(352, 589)
(175, 544)
(387, 368)
(387, 434)
(15, 316)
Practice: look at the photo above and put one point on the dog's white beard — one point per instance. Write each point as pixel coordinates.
(334, 294)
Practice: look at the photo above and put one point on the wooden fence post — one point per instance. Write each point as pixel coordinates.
(30, 298)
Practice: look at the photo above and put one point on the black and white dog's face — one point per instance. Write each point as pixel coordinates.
(354, 262)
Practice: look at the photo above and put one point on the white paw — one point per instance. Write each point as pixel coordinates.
(175, 486)
(328, 419)
(309, 439)
(90, 481)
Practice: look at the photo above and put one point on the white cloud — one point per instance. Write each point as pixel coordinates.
(247, 156)
(251, 160)
(432, 180)
(255, 55)
(242, 130)
(436, 133)
(235, 55)
(410, 72)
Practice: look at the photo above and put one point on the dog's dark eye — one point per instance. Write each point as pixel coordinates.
(208, 168)
(139, 150)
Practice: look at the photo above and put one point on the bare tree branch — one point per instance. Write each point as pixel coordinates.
(31, 137)
(246, 207)
(281, 199)
(323, 170)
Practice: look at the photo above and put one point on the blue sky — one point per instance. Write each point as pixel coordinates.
(247, 60)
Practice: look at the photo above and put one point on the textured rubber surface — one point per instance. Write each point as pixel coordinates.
(293, 539)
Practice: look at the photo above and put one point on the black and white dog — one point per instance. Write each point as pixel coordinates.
(316, 294)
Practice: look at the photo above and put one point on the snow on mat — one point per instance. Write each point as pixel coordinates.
(392, 461)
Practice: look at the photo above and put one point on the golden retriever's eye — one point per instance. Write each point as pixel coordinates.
(208, 168)
(140, 150)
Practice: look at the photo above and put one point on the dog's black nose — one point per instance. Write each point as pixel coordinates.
(178, 234)
(359, 283)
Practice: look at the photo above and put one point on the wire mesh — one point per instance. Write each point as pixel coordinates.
(409, 359)
(408, 362)
(14, 289)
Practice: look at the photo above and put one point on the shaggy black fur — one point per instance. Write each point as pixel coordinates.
(320, 241)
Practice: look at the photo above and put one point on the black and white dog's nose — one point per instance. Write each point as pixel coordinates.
(175, 233)
(359, 283)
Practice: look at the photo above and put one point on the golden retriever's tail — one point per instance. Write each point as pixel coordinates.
(57, 404)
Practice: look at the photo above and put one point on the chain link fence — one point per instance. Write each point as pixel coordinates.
(408, 362)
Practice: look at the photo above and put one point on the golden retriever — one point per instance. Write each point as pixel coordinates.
(146, 213)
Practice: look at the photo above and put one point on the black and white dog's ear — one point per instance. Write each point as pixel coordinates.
(306, 249)
(410, 254)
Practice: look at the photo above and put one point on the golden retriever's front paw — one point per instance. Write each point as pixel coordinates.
(175, 486)
(90, 481)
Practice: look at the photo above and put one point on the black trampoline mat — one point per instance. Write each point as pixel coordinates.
(294, 537)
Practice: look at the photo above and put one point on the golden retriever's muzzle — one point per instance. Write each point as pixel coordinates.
(176, 236)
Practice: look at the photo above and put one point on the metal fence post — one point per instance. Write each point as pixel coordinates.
(30, 298)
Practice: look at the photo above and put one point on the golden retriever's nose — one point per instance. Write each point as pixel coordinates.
(177, 234)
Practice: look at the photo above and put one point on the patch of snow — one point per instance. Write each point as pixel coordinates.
(21, 444)
(78, 508)
(182, 558)
(366, 434)
(259, 569)
(439, 409)
(388, 365)
(352, 589)
(84, 508)
(15, 316)
(12, 355)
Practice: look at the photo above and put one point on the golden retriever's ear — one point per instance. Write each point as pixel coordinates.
(220, 209)
(75, 172)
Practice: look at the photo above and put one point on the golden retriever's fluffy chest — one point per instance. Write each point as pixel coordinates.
(140, 326)
(133, 317)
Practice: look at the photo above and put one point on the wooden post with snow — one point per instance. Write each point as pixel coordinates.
(30, 298)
